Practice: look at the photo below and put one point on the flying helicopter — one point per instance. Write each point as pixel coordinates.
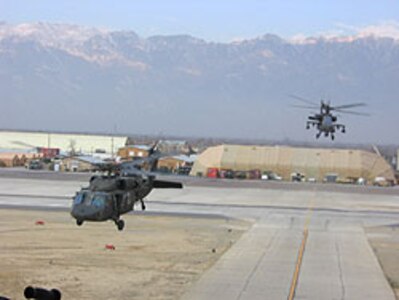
(117, 191)
(325, 121)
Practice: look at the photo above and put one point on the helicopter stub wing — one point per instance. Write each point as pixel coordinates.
(339, 126)
(314, 118)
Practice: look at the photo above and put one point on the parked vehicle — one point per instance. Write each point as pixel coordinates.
(269, 175)
(226, 173)
(183, 170)
(34, 164)
(213, 173)
(254, 174)
(330, 178)
(240, 174)
(382, 181)
(297, 177)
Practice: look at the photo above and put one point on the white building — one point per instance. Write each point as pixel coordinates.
(81, 143)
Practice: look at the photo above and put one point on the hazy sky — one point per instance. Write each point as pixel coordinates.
(221, 20)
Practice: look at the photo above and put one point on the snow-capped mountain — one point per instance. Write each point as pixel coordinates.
(72, 77)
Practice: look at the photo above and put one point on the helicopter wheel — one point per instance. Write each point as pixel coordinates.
(317, 135)
(120, 224)
(332, 137)
(142, 205)
(343, 130)
(79, 222)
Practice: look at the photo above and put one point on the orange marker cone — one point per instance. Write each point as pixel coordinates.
(110, 247)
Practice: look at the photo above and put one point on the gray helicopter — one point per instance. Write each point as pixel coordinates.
(109, 196)
(324, 121)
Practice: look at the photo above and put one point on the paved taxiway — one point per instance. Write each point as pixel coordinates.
(336, 262)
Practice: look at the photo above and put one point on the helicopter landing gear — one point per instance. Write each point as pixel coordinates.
(142, 204)
(307, 126)
(318, 135)
(79, 222)
(120, 224)
(343, 130)
(332, 136)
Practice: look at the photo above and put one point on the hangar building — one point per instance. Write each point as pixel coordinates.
(85, 143)
(311, 162)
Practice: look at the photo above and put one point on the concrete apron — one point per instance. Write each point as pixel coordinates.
(335, 264)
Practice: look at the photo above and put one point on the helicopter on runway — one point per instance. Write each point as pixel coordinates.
(325, 121)
(109, 196)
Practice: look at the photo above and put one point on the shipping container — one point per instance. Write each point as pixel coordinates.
(213, 173)
(49, 152)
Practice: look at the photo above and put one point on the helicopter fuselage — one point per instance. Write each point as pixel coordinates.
(325, 123)
(109, 197)
(94, 206)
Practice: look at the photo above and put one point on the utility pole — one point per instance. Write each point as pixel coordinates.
(112, 141)
(112, 146)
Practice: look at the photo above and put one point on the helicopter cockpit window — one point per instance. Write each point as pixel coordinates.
(98, 200)
(79, 198)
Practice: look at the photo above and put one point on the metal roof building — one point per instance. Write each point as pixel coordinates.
(84, 143)
(313, 163)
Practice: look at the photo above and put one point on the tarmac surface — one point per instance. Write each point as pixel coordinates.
(307, 241)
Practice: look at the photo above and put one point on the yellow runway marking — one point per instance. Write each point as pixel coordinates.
(301, 251)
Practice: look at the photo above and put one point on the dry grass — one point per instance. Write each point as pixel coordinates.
(156, 257)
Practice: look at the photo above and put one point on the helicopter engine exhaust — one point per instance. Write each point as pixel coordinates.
(126, 184)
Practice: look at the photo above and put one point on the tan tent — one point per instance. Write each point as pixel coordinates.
(16, 159)
(312, 163)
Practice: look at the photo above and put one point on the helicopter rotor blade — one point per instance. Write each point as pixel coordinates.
(304, 100)
(352, 112)
(305, 107)
(348, 106)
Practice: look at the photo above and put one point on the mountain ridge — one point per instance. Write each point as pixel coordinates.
(184, 85)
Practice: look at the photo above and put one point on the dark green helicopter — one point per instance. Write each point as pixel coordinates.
(109, 196)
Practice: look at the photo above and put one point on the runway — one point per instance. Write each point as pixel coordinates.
(266, 263)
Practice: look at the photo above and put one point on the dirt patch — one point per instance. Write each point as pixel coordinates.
(385, 243)
(155, 257)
